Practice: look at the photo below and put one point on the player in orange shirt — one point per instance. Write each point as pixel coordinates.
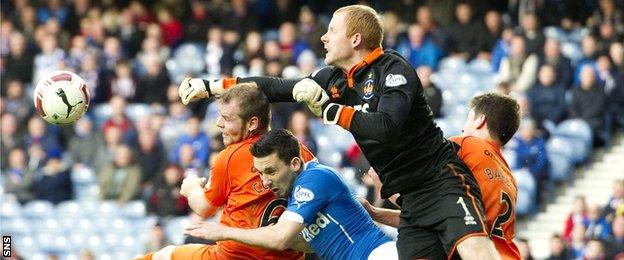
(234, 184)
(492, 121)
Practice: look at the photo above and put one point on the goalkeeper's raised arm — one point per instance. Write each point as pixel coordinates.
(307, 90)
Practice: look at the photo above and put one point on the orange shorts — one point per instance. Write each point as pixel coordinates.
(198, 252)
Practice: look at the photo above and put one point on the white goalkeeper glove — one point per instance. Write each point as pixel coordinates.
(193, 89)
(312, 94)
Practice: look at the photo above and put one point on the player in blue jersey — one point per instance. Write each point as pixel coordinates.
(320, 208)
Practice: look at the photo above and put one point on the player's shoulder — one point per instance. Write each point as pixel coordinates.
(235, 152)
(392, 57)
(324, 71)
(318, 173)
(469, 142)
(396, 71)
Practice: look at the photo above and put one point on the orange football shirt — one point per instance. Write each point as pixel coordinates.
(498, 190)
(237, 187)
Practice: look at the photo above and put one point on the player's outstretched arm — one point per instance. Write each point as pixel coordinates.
(310, 90)
(388, 217)
(276, 89)
(277, 237)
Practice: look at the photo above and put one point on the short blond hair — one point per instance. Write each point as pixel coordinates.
(251, 101)
(364, 20)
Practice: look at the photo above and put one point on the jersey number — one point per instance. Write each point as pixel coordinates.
(273, 211)
(502, 218)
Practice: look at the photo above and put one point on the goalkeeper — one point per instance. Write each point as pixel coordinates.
(377, 96)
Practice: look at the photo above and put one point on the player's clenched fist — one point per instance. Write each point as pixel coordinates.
(192, 89)
(191, 182)
(312, 94)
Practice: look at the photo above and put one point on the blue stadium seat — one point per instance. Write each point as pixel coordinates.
(96, 245)
(10, 209)
(510, 156)
(349, 175)
(88, 192)
(108, 209)
(37, 255)
(446, 127)
(88, 207)
(579, 133)
(83, 176)
(122, 254)
(47, 242)
(68, 210)
(453, 64)
(480, 66)
(49, 226)
(552, 32)
(101, 113)
(560, 167)
(136, 111)
(468, 79)
(560, 155)
(560, 145)
(111, 239)
(174, 229)
(79, 240)
(38, 209)
(144, 224)
(16, 226)
(526, 192)
(188, 59)
(26, 244)
(106, 256)
(575, 128)
(70, 256)
(126, 245)
(572, 51)
(85, 226)
(134, 209)
(112, 224)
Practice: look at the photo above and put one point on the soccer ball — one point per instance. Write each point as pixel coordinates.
(61, 97)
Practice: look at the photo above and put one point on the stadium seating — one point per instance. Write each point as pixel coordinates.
(527, 190)
(580, 136)
(67, 229)
(185, 61)
(560, 157)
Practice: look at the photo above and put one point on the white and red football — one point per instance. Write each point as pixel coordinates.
(61, 97)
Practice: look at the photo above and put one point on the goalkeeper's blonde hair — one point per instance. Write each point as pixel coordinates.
(364, 20)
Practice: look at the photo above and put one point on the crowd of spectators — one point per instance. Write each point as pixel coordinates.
(561, 59)
(592, 231)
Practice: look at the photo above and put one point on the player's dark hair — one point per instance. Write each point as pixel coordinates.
(502, 114)
(252, 103)
(280, 141)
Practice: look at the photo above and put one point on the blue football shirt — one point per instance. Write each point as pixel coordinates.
(336, 224)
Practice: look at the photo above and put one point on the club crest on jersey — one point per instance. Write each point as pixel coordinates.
(393, 80)
(302, 196)
(334, 92)
(368, 87)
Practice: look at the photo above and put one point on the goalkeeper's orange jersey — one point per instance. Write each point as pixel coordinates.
(235, 185)
(498, 190)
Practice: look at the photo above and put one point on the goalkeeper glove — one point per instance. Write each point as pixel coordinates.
(336, 114)
(193, 89)
(312, 94)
